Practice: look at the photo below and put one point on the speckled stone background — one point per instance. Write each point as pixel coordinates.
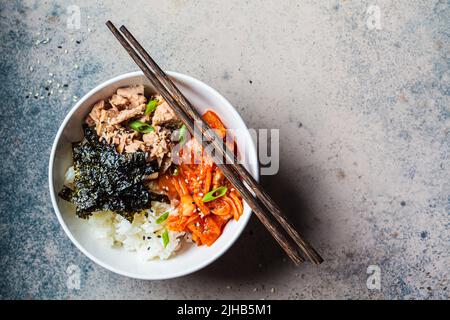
(364, 119)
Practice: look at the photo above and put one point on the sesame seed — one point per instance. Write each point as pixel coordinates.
(31, 69)
(272, 290)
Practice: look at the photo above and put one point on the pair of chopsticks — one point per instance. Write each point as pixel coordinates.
(263, 206)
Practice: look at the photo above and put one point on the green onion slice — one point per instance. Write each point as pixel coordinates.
(182, 134)
(215, 194)
(151, 106)
(140, 126)
(162, 217)
(165, 238)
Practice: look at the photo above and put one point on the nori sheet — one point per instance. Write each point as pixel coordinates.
(108, 180)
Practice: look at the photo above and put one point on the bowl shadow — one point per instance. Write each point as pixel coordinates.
(256, 254)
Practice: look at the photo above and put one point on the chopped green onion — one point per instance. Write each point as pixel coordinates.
(140, 126)
(165, 238)
(215, 194)
(162, 217)
(182, 134)
(151, 106)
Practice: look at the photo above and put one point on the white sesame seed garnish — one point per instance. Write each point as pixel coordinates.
(31, 69)
(66, 51)
(232, 189)
(50, 74)
(272, 290)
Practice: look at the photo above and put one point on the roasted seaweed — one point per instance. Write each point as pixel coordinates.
(108, 180)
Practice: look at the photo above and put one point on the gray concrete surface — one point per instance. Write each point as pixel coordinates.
(364, 120)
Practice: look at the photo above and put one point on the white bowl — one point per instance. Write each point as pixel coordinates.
(189, 258)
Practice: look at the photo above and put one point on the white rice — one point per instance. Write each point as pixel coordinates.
(143, 235)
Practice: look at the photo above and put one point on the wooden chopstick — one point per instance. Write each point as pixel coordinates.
(187, 116)
(238, 168)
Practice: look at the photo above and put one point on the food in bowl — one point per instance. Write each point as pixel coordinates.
(141, 181)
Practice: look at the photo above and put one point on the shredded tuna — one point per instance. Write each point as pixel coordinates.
(118, 101)
(128, 114)
(157, 143)
(164, 116)
(110, 118)
(134, 146)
